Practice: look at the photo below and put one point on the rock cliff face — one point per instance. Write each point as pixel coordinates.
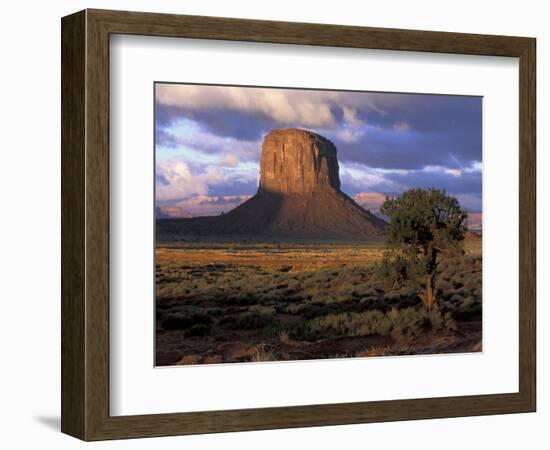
(298, 197)
(297, 162)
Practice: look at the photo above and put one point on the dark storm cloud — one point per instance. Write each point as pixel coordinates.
(223, 123)
(166, 115)
(429, 113)
(160, 179)
(421, 130)
(392, 149)
(241, 126)
(165, 139)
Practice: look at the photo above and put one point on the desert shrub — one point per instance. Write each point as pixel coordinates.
(349, 291)
(456, 298)
(443, 285)
(262, 354)
(215, 312)
(164, 305)
(198, 331)
(441, 320)
(396, 271)
(350, 324)
(477, 294)
(392, 297)
(262, 309)
(353, 276)
(298, 330)
(247, 321)
(472, 311)
(329, 298)
(321, 309)
(356, 306)
(404, 322)
(472, 283)
(372, 292)
(369, 303)
(301, 297)
(408, 321)
(409, 301)
(374, 351)
(296, 308)
(240, 299)
(444, 272)
(458, 281)
(182, 321)
(284, 337)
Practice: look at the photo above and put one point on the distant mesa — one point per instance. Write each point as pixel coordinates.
(166, 212)
(472, 235)
(298, 197)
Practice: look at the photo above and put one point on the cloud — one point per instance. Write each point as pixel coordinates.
(445, 170)
(271, 106)
(350, 116)
(357, 178)
(282, 105)
(188, 134)
(350, 134)
(467, 183)
(473, 169)
(401, 126)
(323, 108)
(177, 179)
(477, 166)
(228, 160)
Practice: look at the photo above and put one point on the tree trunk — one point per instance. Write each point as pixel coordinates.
(429, 293)
(429, 278)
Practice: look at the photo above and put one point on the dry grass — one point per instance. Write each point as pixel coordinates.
(374, 351)
(291, 257)
(262, 354)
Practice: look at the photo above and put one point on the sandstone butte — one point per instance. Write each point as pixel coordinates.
(298, 197)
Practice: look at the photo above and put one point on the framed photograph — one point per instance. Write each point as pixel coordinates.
(273, 225)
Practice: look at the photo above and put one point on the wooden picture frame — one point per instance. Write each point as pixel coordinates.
(85, 224)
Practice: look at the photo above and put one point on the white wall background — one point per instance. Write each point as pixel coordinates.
(30, 225)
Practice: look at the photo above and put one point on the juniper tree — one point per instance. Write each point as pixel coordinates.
(425, 224)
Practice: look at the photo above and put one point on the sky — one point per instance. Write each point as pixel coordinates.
(208, 143)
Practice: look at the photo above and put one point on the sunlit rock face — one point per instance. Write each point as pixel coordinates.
(297, 161)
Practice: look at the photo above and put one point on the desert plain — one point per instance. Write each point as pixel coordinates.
(225, 301)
